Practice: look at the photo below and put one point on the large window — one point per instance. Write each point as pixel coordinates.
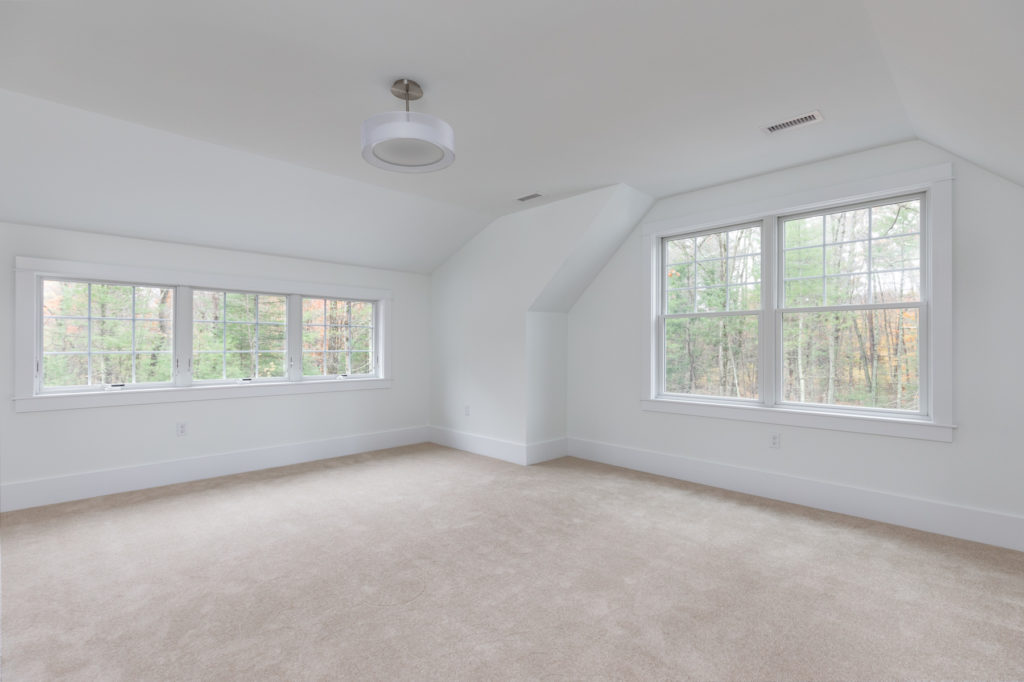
(90, 334)
(101, 334)
(810, 313)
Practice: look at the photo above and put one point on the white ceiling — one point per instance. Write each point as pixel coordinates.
(552, 97)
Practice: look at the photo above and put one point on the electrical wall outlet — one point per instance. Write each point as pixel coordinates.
(774, 441)
(179, 429)
(467, 410)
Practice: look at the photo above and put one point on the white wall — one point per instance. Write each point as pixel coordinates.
(547, 338)
(983, 468)
(45, 445)
(480, 300)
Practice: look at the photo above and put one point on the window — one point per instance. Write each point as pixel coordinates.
(92, 335)
(852, 306)
(97, 334)
(835, 317)
(712, 302)
(238, 335)
(337, 337)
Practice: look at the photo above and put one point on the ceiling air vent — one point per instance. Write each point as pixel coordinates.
(530, 197)
(805, 119)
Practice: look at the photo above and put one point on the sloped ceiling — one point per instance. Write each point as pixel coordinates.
(959, 69)
(552, 97)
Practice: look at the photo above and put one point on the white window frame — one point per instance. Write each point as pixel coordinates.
(936, 419)
(329, 377)
(28, 342)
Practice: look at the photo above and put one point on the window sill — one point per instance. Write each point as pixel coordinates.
(900, 427)
(148, 396)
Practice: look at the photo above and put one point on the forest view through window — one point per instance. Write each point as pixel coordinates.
(842, 320)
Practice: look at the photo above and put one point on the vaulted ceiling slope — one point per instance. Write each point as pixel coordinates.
(552, 97)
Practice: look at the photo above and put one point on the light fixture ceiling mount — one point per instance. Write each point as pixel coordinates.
(408, 141)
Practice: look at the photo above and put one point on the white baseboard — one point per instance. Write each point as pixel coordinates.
(969, 523)
(507, 450)
(35, 493)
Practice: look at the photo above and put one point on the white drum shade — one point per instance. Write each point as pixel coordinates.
(408, 142)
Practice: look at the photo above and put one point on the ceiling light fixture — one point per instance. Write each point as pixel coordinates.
(408, 141)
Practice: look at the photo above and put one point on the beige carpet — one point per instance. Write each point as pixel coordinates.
(429, 563)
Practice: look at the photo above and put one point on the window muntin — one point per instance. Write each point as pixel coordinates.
(337, 337)
(101, 334)
(238, 335)
(711, 313)
(851, 306)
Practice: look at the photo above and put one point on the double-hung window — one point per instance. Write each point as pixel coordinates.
(823, 316)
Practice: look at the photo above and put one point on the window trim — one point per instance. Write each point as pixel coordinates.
(935, 183)
(29, 271)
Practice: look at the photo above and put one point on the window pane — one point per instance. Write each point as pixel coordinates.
(241, 307)
(362, 314)
(711, 246)
(152, 367)
(111, 300)
(678, 251)
(207, 305)
(313, 364)
(313, 338)
(847, 226)
(66, 370)
(714, 356)
(679, 301)
(803, 263)
(337, 312)
(745, 297)
(240, 365)
(336, 363)
(361, 338)
(271, 364)
(804, 293)
(902, 286)
(312, 311)
(153, 336)
(744, 269)
(111, 335)
(273, 309)
(241, 336)
(893, 219)
(65, 335)
(803, 232)
(337, 338)
(895, 253)
(846, 290)
(154, 303)
(846, 259)
(271, 337)
(711, 273)
(208, 366)
(679, 276)
(65, 298)
(711, 300)
(865, 358)
(360, 363)
(208, 336)
(110, 368)
(744, 242)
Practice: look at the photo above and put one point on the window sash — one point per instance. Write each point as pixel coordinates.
(346, 352)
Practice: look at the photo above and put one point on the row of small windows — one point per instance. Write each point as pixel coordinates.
(111, 334)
